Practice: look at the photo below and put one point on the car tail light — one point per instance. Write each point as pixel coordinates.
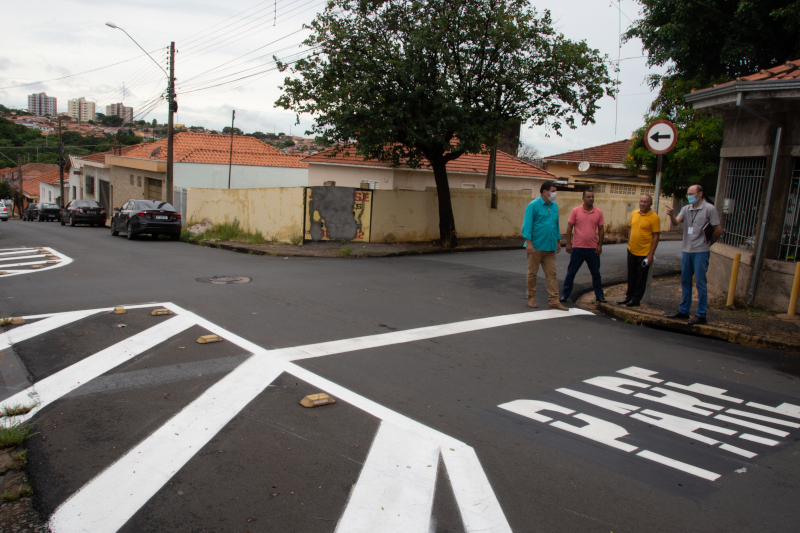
(141, 214)
(177, 217)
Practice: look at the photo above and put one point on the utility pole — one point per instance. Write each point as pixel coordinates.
(230, 161)
(173, 107)
(60, 163)
(18, 199)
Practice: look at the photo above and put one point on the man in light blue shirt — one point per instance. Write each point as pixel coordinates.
(542, 236)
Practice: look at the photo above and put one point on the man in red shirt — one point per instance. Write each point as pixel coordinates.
(587, 223)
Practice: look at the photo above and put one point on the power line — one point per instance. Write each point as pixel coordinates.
(77, 74)
(188, 40)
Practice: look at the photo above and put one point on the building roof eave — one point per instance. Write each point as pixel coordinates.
(726, 93)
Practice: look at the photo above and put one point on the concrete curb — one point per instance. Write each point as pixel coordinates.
(320, 254)
(706, 330)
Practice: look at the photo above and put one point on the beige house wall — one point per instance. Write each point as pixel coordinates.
(122, 190)
(408, 179)
(277, 212)
(617, 210)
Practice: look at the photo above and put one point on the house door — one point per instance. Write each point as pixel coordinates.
(153, 189)
(104, 196)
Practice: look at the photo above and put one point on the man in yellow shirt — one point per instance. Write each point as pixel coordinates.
(644, 229)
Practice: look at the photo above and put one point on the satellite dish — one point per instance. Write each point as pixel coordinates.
(584, 166)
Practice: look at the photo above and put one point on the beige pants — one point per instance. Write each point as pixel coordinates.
(548, 262)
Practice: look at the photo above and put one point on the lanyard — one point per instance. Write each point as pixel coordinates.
(694, 214)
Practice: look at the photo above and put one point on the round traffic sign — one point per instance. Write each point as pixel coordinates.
(661, 136)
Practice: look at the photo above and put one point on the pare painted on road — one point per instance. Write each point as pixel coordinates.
(675, 430)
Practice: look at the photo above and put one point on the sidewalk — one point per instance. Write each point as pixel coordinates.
(365, 249)
(742, 326)
(375, 249)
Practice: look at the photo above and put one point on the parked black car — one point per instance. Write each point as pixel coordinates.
(83, 212)
(28, 213)
(138, 217)
(42, 212)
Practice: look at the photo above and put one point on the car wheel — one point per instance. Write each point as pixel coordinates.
(131, 236)
(72, 221)
(39, 218)
(114, 231)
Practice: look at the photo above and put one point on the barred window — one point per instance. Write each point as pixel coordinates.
(131, 179)
(648, 190)
(619, 188)
(600, 187)
(89, 185)
(138, 181)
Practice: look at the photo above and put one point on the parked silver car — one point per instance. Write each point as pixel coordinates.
(4, 211)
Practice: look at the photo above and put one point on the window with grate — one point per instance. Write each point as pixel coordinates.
(89, 185)
(648, 190)
(600, 187)
(744, 179)
(138, 181)
(131, 179)
(790, 240)
(620, 188)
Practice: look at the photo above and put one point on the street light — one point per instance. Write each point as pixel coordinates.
(173, 105)
(112, 25)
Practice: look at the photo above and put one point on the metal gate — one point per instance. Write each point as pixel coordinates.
(103, 196)
(154, 188)
(744, 180)
(790, 238)
(179, 202)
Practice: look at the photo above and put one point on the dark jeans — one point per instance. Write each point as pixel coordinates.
(637, 277)
(576, 259)
(694, 264)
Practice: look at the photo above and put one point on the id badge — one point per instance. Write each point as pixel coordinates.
(691, 230)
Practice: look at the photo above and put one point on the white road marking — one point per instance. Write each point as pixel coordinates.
(416, 334)
(640, 373)
(751, 425)
(25, 264)
(53, 387)
(108, 501)
(706, 390)
(394, 492)
(614, 383)
(17, 251)
(51, 322)
(763, 418)
(35, 256)
(98, 310)
(531, 409)
(63, 261)
(737, 450)
(680, 400)
(681, 426)
(787, 409)
(678, 465)
(611, 405)
(598, 430)
(760, 440)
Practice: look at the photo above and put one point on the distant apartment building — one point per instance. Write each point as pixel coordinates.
(120, 110)
(41, 104)
(81, 110)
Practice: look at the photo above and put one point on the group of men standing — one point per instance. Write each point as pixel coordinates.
(584, 243)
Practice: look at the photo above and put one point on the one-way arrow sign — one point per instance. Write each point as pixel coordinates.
(661, 136)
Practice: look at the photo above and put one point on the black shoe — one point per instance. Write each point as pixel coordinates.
(622, 302)
(698, 320)
(602, 300)
(678, 315)
(632, 304)
(562, 299)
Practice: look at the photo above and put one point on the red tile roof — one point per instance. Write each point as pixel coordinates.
(612, 153)
(789, 70)
(29, 169)
(30, 186)
(191, 147)
(51, 178)
(507, 165)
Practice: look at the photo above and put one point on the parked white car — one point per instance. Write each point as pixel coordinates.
(3, 211)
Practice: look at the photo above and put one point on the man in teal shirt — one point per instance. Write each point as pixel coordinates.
(542, 242)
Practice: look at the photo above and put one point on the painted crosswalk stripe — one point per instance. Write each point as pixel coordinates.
(678, 465)
(751, 425)
(28, 331)
(16, 251)
(394, 492)
(16, 258)
(53, 387)
(63, 261)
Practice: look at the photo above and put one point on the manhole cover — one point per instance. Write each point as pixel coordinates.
(225, 280)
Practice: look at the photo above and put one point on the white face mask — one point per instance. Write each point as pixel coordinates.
(552, 196)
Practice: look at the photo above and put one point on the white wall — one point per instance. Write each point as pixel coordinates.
(211, 176)
(49, 193)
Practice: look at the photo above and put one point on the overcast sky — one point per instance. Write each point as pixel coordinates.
(221, 41)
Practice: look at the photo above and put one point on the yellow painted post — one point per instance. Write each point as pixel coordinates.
(795, 290)
(734, 276)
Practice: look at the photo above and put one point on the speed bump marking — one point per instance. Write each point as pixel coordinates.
(205, 339)
(315, 400)
(158, 312)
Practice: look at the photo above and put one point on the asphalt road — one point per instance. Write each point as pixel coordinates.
(456, 408)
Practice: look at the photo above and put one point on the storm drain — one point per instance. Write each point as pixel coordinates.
(225, 280)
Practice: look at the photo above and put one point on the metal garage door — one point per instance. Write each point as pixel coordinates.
(153, 189)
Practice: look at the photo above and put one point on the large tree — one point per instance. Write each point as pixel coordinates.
(430, 80)
(702, 42)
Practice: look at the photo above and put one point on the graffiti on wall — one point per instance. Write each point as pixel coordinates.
(338, 213)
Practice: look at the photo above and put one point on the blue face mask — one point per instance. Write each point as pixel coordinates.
(692, 199)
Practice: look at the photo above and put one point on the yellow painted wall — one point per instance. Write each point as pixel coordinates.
(275, 212)
(413, 216)
(616, 211)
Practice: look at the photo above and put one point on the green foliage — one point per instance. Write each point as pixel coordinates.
(227, 131)
(418, 80)
(231, 231)
(703, 43)
(14, 495)
(288, 143)
(5, 189)
(717, 38)
(14, 434)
